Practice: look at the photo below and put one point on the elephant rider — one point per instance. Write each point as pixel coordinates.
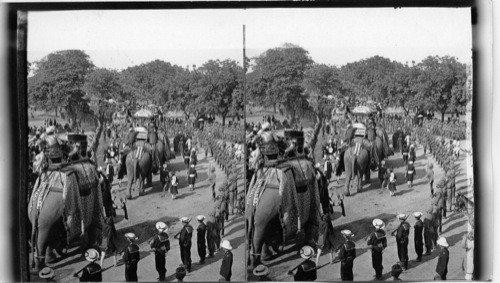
(40, 162)
(268, 142)
(75, 154)
(53, 150)
(349, 133)
(370, 130)
(152, 139)
(131, 138)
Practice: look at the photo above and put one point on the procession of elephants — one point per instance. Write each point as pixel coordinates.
(75, 182)
(70, 195)
(337, 170)
(295, 177)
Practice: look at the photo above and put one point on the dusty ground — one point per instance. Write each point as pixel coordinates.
(145, 211)
(372, 202)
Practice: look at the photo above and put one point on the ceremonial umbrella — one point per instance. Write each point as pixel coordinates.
(143, 113)
(362, 110)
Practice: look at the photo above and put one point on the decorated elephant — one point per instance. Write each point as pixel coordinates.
(355, 167)
(160, 152)
(139, 165)
(282, 201)
(65, 205)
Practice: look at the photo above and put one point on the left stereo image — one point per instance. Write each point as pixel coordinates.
(135, 136)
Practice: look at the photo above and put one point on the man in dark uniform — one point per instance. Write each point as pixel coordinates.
(186, 155)
(328, 168)
(160, 245)
(201, 230)
(93, 271)
(180, 273)
(212, 234)
(405, 152)
(349, 132)
(383, 176)
(227, 261)
(307, 270)
(378, 243)
(419, 243)
(402, 234)
(152, 139)
(184, 237)
(410, 172)
(370, 130)
(444, 257)
(131, 257)
(347, 254)
(192, 175)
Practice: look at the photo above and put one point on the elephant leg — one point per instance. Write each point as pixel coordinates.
(266, 254)
(359, 182)
(140, 184)
(348, 177)
(149, 179)
(257, 245)
(41, 248)
(50, 255)
(367, 175)
(130, 182)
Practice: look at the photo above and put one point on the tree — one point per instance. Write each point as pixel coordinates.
(104, 84)
(58, 81)
(277, 78)
(442, 82)
(320, 81)
(149, 81)
(402, 89)
(369, 78)
(215, 90)
(180, 92)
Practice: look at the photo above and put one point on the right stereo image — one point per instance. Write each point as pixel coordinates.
(358, 144)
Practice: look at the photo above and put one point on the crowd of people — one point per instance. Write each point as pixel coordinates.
(159, 246)
(428, 224)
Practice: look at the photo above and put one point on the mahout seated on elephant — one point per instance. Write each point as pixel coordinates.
(141, 156)
(359, 154)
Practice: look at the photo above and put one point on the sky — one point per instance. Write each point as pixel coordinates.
(334, 36)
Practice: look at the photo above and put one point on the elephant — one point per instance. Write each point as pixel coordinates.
(355, 167)
(66, 205)
(139, 166)
(282, 202)
(161, 152)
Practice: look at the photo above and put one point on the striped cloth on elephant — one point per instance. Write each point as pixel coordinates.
(79, 184)
(295, 180)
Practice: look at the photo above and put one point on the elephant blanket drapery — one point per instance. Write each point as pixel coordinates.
(299, 201)
(81, 196)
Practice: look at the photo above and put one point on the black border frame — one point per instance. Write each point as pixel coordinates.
(18, 117)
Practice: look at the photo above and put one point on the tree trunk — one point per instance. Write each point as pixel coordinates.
(274, 107)
(442, 116)
(56, 111)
